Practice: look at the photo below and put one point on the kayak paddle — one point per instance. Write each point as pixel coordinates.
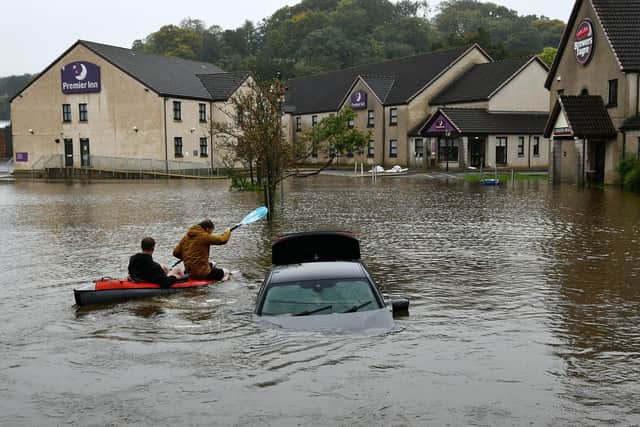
(254, 216)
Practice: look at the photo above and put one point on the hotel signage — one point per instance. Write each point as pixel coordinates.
(359, 100)
(441, 125)
(80, 77)
(584, 42)
(22, 157)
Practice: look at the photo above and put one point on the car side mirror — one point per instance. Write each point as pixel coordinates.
(400, 307)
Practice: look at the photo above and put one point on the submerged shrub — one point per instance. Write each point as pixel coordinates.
(632, 179)
(626, 166)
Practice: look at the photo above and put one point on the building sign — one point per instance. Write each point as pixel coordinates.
(441, 125)
(562, 131)
(80, 77)
(22, 157)
(359, 100)
(584, 42)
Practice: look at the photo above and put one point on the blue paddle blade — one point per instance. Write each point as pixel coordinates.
(254, 216)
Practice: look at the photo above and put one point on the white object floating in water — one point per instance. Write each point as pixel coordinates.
(397, 169)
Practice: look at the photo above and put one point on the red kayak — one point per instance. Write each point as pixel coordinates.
(108, 290)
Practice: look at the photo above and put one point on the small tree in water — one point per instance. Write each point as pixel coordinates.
(253, 136)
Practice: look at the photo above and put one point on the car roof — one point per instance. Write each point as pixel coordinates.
(317, 271)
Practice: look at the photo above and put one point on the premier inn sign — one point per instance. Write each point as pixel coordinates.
(583, 44)
(80, 77)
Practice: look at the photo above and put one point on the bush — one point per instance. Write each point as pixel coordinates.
(632, 179)
(626, 166)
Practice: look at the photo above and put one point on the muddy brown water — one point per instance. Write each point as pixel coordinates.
(525, 308)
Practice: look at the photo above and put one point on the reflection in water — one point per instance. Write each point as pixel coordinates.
(524, 307)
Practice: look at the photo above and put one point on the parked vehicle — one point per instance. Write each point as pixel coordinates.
(318, 281)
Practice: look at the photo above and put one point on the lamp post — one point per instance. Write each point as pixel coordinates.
(447, 148)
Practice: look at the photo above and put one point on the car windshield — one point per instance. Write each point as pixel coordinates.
(319, 297)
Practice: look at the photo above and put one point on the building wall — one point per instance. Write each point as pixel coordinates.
(572, 77)
(125, 119)
(528, 160)
(4, 149)
(526, 92)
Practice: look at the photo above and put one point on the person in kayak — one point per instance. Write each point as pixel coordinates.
(193, 249)
(143, 268)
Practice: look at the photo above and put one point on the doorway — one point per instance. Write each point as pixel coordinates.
(68, 152)
(595, 169)
(85, 159)
(476, 152)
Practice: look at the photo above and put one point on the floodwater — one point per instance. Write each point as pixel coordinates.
(525, 308)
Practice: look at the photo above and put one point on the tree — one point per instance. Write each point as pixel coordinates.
(335, 134)
(548, 54)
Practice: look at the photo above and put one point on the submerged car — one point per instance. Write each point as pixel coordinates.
(317, 281)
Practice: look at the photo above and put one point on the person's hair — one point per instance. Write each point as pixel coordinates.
(148, 244)
(206, 224)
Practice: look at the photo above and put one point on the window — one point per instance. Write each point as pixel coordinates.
(202, 111)
(501, 150)
(298, 124)
(371, 122)
(351, 123)
(371, 149)
(393, 117)
(177, 110)
(66, 113)
(203, 147)
(419, 145)
(82, 109)
(613, 93)
(314, 121)
(177, 146)
(447, 150)
(521, 146)
(393, 148)
(536, 146)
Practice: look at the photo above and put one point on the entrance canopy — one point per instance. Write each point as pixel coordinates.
(584, 117)
(474, 121)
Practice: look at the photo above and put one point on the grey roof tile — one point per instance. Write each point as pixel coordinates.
(166, 75)
(483, 122)
(621, 22)
(222, 85)
(587, 117)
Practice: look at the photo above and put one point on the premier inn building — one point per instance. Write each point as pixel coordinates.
(453, 108)
(106, 107)
(594, 84)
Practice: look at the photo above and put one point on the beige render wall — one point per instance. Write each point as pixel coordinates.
(513, 161)
(419, 107)
(526, 92)
(112, 113)
(190, 129)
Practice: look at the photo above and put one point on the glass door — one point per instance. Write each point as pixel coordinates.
(85, 160)
(68, 152)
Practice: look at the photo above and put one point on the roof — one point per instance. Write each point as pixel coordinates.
(587, 117)
(222, 85)
(380, 85)
(620, 20)
(166, 75)
(480, 82)
(631, 123)
(483, 122)
(325, 92)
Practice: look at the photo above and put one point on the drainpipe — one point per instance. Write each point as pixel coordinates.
(211, 134)
(529, 153)
(384, 133)
(638, 95)
(624, 144)
(584, 160)
(166, 146)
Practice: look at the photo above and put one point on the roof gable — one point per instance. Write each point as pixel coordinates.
(325, 92)
(620, 22)
(222, 85)
(482, 122)
(480, 82)
(586, 117)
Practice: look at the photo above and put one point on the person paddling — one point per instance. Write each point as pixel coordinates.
(143, 268)
(193, 250)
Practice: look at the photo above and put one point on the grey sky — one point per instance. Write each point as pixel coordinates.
(33, 33)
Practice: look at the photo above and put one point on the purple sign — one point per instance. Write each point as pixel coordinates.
(80, 77)
(441, 125)
(22, 157)
(359, 100)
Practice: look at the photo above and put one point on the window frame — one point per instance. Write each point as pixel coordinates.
(393, 116)
(177, 142)
(371, 148)
(204, 147)
(453, 148)
(501, 139)
(314, 120)
(66, 113)
(177, 111)
(83, 113)
(393, 148)
(536, 147)
(298, 124)
(521, 146)
(371, 119)
(613, 93)
(202, 112)
(418, 154)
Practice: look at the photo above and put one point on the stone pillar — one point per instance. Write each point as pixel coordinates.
(581, 154)
(463, 158)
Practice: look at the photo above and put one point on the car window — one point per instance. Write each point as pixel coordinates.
(326, 296)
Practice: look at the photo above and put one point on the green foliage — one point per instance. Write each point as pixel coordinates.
(505, 177)
(629, 170)
(243, 183)
(338, 136)
(9, 87)
(548, 54)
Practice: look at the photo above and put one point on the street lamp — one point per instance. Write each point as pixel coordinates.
(447, 148)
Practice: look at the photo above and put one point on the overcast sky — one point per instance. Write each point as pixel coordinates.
(33, 33)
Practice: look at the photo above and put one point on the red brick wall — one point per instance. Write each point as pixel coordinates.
(3, 143)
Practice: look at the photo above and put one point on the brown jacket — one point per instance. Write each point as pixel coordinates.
(193, 249)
